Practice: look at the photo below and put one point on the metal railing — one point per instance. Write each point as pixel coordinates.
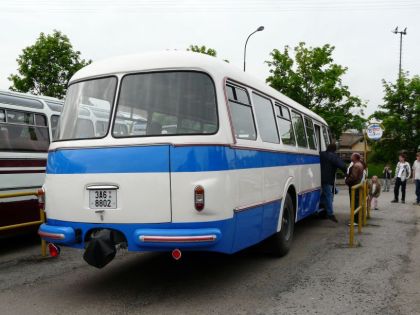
(363, 208)
(26, 224)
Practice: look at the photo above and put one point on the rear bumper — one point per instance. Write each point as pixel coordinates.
(138, 237)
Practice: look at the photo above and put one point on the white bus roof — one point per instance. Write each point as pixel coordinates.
(174, 60)
(30, 100)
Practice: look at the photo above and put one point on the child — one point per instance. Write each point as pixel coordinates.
(374, 192)
(387, 172)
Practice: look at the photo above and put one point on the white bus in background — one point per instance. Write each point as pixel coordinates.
(194, 154)
(27, 123)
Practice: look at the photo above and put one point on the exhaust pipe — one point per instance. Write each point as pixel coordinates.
(101, 249)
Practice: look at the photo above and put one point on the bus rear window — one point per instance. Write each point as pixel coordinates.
(166, 103)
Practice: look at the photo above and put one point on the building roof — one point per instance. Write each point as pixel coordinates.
(349, 139)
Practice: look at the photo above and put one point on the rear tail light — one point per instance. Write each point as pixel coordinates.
(41, 198)
(199, 198)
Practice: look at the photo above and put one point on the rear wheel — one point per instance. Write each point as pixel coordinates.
(281, 242)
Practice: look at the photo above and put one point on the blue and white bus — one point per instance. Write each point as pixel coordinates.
(194, 154)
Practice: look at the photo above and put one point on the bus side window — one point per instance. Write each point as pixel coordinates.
(299, 129)
(265, 118)
(241, 113)
(285, 126)
(19, 132)
(326, 137)
(2, 115)
(318, 137)
(310, 133)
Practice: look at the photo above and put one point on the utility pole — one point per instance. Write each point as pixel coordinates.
(404, 32)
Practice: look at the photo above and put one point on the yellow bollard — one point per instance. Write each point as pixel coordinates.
(351, 241)
(43, 243)
(360, 210)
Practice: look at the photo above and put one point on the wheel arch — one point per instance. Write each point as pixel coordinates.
(289, 188)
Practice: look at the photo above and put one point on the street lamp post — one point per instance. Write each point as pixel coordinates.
(401, 33)
(261, 28)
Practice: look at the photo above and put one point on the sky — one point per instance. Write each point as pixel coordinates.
(360, 30)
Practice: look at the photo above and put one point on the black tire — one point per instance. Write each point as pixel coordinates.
(280, 243)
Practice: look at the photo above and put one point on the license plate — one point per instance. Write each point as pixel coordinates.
(103, 198)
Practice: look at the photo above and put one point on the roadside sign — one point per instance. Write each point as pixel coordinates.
(374, 132)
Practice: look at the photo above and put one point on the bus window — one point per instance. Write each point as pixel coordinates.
(2, 116)
(318, 137)
(19, 132)
(84, 129)
(17, 117)
(41, 120)
(241, 113)
(163, 99)
(310, 133)
(96, 93)
(54, 124)
(101, 127)
(265, 119)
(299, 129)
(121, 129)
(325, 135)
(285, 125)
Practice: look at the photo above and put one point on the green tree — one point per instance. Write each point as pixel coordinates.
(315, 81)
(400, 115)
(204, 50)
(46, 67)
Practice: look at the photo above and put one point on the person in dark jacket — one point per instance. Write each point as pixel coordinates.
(330, 162)
(355, 176)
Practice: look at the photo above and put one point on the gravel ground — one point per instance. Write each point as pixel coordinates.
(321, 275)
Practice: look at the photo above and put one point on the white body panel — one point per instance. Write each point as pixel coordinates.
(141, 198)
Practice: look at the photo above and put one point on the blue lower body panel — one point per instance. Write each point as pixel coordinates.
(244, 229)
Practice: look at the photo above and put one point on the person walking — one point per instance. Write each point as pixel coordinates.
(330, 162)
(402, 173)
(374, 192)
(416, 177)
(387, 174)
(354, 177)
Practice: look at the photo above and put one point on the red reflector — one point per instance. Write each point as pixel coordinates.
(54, 250)
(176, 254)
(199, 198)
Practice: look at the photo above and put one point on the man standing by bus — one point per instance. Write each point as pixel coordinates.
(329, 164)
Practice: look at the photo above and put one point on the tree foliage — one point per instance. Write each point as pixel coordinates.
(204, 50)
(400, 115)
(46, 67)
(315, 81)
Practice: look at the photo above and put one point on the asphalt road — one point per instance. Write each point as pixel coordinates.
(321, 275)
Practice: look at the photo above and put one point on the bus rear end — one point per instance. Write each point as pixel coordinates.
(152, 179)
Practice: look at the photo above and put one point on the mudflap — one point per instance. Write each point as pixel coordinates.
(101, 249)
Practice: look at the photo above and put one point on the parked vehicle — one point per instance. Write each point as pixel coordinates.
(221, 162)
(27, 123)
